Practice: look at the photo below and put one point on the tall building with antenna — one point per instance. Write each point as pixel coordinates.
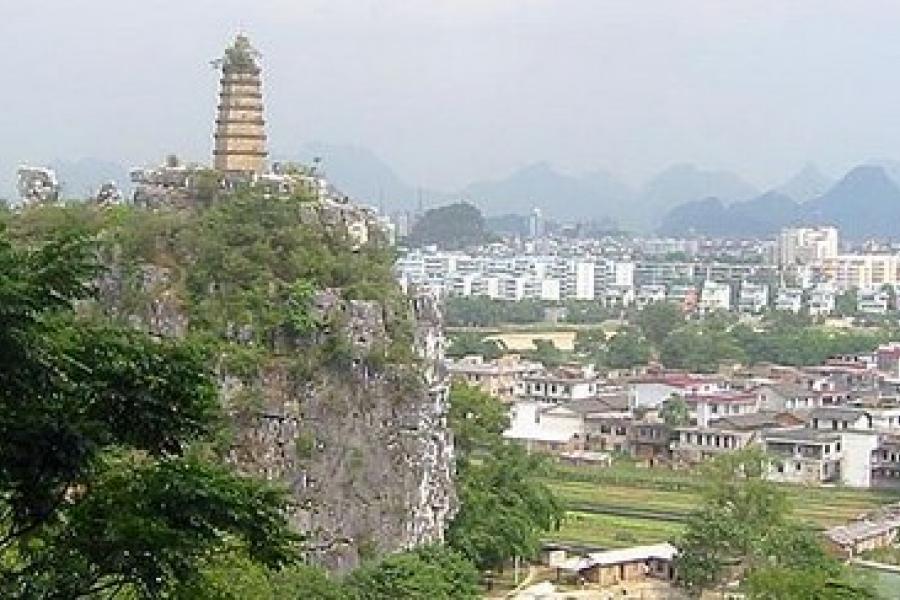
(240, 135)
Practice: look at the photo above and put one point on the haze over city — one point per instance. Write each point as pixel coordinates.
(451, 92)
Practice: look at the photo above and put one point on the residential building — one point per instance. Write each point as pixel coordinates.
(861, 271)
(872, 302)
(789, 300)
(806, 245)
(753, 298)
(821, 300)
(877, 530)
(499, 377)
(804, 456)
(715, 296)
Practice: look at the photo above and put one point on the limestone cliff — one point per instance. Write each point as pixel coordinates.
(336, 392)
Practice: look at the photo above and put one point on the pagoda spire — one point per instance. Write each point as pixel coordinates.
(240, 135)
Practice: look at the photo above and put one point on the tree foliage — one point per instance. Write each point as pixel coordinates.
(626, 350)
(674, 412)
(481, 311)
(426, 573)
(452, 226)
(743, 529)
(467, 344)
(102, 482)
(658, 320)
(504, 506)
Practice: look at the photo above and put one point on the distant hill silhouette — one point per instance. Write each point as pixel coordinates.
(559, 195)
(865, 203)
(686, 183)
(806, 184)
(363, 176)
(758, 217)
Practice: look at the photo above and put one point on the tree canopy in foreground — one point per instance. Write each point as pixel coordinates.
(106, 484)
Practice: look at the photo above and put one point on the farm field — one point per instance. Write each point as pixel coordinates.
(626, 505)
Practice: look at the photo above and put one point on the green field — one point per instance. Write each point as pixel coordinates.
(626, 505)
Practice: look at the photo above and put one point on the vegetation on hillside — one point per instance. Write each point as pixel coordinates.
(243, 272)
(453, 226)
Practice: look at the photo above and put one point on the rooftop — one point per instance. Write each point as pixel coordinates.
(803, 435)
(664, 551)
(857, 531)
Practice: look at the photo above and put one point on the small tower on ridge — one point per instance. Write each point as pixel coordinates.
(240, 135)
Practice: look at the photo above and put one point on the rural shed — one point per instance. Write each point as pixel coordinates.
(625, 564)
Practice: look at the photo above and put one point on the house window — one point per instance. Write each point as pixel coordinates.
(798, 466)
(834, 423)
(827, 448)
(837, 447)
(780, 467)
(815, 423)
(844, 425)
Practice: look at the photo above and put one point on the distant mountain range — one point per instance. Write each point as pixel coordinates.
(865, 203)
(683, 199)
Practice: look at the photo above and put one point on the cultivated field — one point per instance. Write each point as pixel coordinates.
(626, 505)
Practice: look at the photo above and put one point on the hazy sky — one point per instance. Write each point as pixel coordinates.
(447, 92)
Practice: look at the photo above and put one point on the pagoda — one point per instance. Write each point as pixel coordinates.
(240, 136)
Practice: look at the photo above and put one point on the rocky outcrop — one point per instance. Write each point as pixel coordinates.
(362, 445)
(366, 454)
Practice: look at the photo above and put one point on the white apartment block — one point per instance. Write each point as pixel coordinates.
(789, 300)
(753, 298)
(860, 271)
(872, 302)
(806, 245)
(715, 296)
(821, 300)
(583, 281)
(648, 294)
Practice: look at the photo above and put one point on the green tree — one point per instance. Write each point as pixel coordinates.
(744, 528)
(845, 303)
(674, 412)
(626, 350)
(452, 226)
(426, 573)
(590, 341)
(546, 353)
(698, 349)
(105, 484)
(477, 419)
(467, 344)
(657, 320)
(504, 506)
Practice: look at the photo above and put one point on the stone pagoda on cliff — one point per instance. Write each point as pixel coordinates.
(240, 136)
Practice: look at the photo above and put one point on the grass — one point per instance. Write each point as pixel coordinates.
(625, 505)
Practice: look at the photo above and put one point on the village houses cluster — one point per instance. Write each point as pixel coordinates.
(836, 423)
